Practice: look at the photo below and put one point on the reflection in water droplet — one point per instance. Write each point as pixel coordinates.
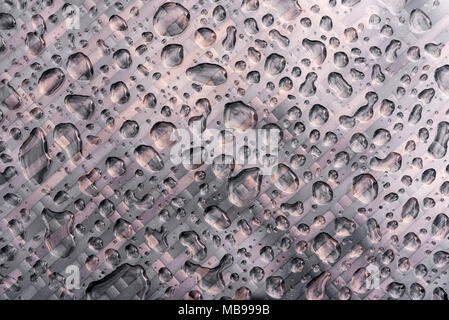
(318, 161)
(239, 116)
(211, 280)
(322, 193)
(172, 55)
(275, 287)
(438, 148)
(316, 49)
(171, 19)
(82, 106)
(119, 93)
(208, 74)
(59, 238)
(125, 273)
(339, 85)
(122, 58)
(34, 157)
(326, 248)
(365, 188)
(161, 133)
(217, 218)
(274, 64)
(244, 187)
(80, 67)
(67, 136)
(7, 21)
(316, 288)
(419, 21)
(191, 240)
(50, 81)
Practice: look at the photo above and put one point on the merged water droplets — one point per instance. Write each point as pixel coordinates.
(308, 88)
(61, 243)
(440, 226)
(119, 92)
(285, 179)
(125, 273)
(316, 288)
(161, 133)
(67, 136)
(275, 287)
(208, 74)
(244, 187)
(230, 40)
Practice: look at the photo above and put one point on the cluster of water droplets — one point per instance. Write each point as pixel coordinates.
(355, 206)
